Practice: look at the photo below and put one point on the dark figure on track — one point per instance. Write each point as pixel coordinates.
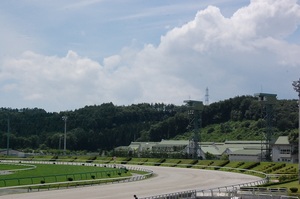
(135, 197)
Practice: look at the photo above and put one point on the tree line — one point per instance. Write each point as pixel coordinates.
(106, 126)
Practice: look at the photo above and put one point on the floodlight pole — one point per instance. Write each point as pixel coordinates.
(65, 134)
(59, 142)
(296, 85)
(195, 110)
(267, 101)
(7, 140)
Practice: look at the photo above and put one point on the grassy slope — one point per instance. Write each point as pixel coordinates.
(232, 130)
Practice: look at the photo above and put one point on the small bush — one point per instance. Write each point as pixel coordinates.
(240, 164)
(224, 163)
(93, 177)
(54, 158)
(93, 158)
(251, 166)
(70, 179)
(126, 160)
(42, 181)
(282, 178)
(294, 189)
(108, 174)
(210, 163)
(159, 162)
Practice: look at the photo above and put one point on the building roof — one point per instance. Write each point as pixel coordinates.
(122, 148)
(134, 145)
(173, 142)
(138, 145)
(148, 144)
(246, 152)
(282, 140)
(211, 150)
(243, 142)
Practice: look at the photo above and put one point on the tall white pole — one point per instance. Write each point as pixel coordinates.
(296, 85)
(7, 139)
(65, 134)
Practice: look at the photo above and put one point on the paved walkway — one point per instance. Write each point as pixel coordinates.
(166, 180)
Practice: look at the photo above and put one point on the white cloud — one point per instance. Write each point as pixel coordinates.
(232, 56)
(269, 18)
(52, 79)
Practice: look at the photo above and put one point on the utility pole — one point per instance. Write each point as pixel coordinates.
(296, 85)
(65, 134)
(7, 140)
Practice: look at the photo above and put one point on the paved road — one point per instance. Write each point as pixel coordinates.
(166, 180)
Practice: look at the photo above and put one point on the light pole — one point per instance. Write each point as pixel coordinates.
(7, 140)
(296, 85)
(65, 135)
(59, 142)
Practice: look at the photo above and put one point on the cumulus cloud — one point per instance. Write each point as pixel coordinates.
(232, 56)
(53, 80)
(269, 18)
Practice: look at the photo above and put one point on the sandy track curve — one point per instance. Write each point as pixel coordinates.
(166, 180)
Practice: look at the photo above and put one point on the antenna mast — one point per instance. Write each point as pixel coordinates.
(206, 97)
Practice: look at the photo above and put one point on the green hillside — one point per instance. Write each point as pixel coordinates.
(232, 130)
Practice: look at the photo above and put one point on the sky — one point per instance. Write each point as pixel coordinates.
(61, 55)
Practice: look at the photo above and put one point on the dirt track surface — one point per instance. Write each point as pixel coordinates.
(166, 180)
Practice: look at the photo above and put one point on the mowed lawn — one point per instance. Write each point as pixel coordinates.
(46, 173)
(4, 167)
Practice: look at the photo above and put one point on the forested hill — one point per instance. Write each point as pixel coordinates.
(105, 126)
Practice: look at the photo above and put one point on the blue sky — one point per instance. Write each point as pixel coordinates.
(64, 54)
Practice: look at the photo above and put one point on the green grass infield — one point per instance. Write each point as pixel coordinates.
(50, 173)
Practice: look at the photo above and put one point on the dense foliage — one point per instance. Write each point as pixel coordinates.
(106, 126)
